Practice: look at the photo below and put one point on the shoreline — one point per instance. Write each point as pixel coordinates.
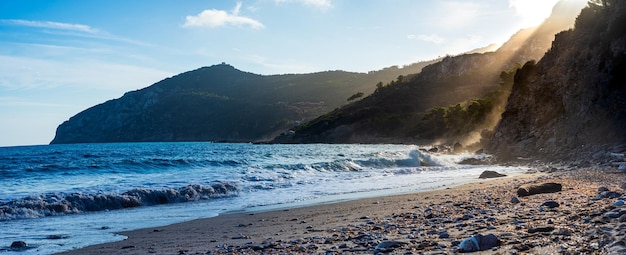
(422, 222)
(239, 228)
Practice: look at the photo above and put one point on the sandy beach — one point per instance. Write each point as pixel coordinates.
(583, 218)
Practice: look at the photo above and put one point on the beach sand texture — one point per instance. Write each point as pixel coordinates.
(583, 218)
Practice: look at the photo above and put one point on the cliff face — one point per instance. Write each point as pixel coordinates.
(393, 113)
(572, 103)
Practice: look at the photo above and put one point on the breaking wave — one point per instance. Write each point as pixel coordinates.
(38, 206)
(415, 158)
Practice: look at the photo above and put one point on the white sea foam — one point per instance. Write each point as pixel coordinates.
(81, 194)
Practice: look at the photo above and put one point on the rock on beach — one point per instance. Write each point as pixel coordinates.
(490, 174)
(549, 187)
(479, 242)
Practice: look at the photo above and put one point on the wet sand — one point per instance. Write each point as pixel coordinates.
(578, 219)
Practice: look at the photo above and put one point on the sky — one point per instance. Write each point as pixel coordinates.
(59, 57)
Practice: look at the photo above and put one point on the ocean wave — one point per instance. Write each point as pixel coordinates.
(413, 158)
(38, 206)
(342, 165)
(83, 164)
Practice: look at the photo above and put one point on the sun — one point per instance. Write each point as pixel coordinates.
(533, 12)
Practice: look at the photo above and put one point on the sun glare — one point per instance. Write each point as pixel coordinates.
(532, 12)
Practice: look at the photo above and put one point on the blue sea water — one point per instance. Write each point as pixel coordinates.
(63, 197)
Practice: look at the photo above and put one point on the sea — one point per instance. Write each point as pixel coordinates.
(63, 197)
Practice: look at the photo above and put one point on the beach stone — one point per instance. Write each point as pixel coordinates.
(612, 214)
(444, 235)
(602, 189)
(549, 187)
(609, 194)
(490, 174)
(618, 203)
(479, 242)
(515, 200)
(388, 246)
(623, 186)
(19, 245)
(622, 218)
(541, 229)
(550, 204)
(312, 247)
(240, 236)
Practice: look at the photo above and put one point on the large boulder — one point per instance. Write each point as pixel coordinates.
(549, 187)
(490, 174)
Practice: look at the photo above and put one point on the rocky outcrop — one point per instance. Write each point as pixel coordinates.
(571, 105)
(392, 114)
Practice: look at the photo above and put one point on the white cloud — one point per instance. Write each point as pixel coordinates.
(218, 18)
(51, 25)
(436, 39)
(321, 4)
(71, 30)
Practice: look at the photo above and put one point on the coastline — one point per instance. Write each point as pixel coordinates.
(422, 222)
(334, 227)
(280, 222)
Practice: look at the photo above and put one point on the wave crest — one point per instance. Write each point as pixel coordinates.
(61, 203)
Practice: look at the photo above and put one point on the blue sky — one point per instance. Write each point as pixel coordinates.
(59, 57)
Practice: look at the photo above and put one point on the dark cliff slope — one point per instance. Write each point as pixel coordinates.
(393, 113)
(220, 103)
(571, 105)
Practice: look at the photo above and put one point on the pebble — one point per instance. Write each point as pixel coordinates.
(388, 246)
(550, 204)
(515, 200)
(541, 229)
(479, 242)
(240, 237)
(609, 194)
(612, 214)
(444, 235)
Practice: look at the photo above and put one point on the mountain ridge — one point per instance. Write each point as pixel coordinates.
(220, 103)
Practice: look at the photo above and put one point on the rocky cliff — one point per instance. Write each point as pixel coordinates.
(571, 105)
(394, 113)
